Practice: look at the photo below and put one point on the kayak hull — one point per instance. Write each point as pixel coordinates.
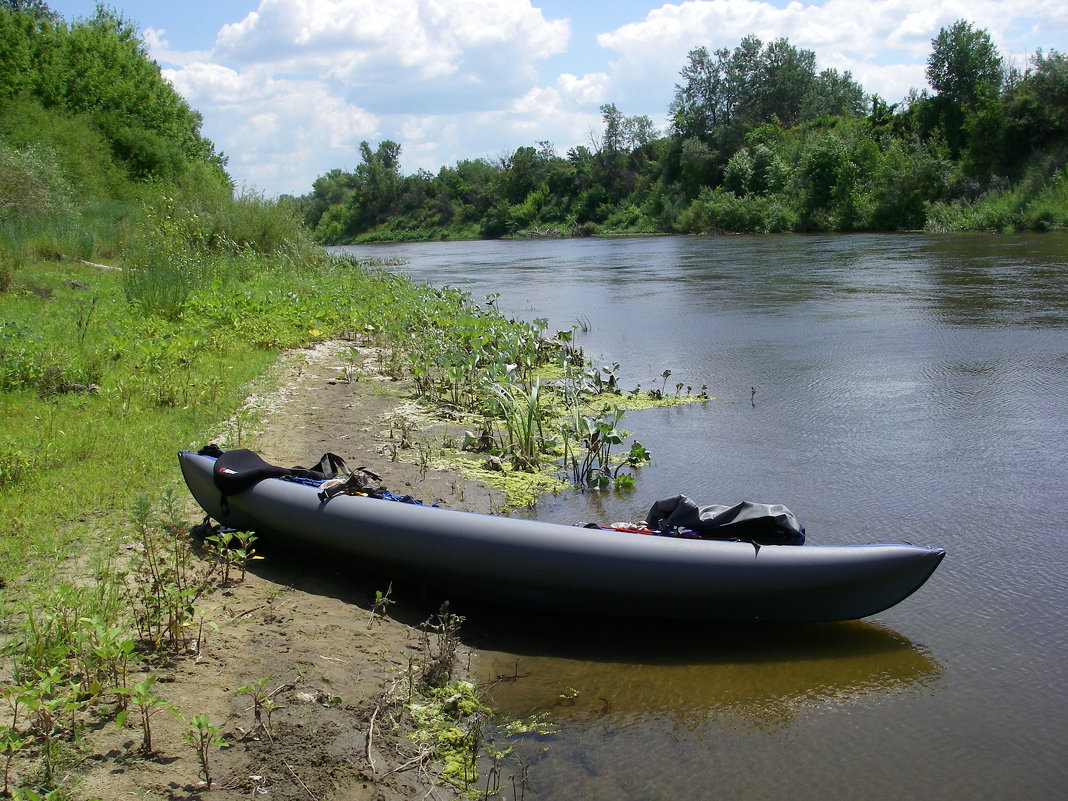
(566, 568)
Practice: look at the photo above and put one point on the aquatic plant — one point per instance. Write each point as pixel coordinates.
(449, 725)
(522, 414)
(10, 744)
(382, 602)
(164, 581)
(441, 641)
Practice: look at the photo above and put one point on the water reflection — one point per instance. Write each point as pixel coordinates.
(986, 281)
(617, 672)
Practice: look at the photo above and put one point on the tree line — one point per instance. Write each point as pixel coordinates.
(759, 140)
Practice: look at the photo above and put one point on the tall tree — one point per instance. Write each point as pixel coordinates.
(521, 174)
(613, 140)
(26, 39)
(376, 186)
(705, 99)
(780, 80)
(756, 83)
(963, 62)
(1048, 80)
(99, 69)
(332, 189)
(834, 94)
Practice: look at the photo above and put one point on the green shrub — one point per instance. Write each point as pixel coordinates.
(718, 211)
(627, 218)
(252, 222)
(82, 152)
(31, 183)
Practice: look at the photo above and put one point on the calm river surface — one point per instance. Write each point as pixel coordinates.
(908, 387)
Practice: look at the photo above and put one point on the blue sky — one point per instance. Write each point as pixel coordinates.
(289, 88)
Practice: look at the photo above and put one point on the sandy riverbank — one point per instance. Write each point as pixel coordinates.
(304, 625)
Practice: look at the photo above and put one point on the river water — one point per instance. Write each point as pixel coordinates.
(885, 388)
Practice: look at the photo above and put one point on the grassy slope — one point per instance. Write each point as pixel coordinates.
(73, 459)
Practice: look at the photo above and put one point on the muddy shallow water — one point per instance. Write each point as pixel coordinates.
(885, 388)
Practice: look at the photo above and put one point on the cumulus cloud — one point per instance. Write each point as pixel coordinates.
(278, 132)
(590, 88)
(303, 81)
(388, 54)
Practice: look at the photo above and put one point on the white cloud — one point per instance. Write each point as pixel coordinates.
(589, 89)
(160, 49)
(214, 84)
(278, 133)
(153, 38)
(376, 46)
(301, 82)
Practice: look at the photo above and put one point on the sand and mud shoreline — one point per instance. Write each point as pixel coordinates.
(303, 627)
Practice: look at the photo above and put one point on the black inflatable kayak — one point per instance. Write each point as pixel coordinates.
(568, 568)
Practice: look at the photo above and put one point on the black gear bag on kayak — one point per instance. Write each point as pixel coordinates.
(759, 523)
